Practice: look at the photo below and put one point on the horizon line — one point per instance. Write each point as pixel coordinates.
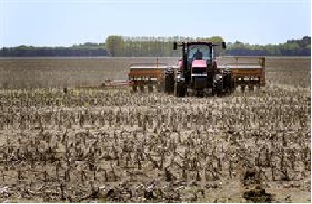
(81, 43)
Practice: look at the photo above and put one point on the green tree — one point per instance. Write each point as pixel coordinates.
(114, 45)
(215, 39)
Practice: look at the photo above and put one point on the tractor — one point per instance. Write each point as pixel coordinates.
(198, 74)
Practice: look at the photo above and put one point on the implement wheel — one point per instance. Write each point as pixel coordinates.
(169, 83)
(218, 88)
(134, 87)
(243, 87)
(141, 87)
(150, 87)
(180, 89)
(251, 87)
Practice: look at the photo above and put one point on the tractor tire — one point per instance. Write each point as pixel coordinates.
(180, 90)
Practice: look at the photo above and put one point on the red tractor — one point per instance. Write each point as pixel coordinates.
(198, 74)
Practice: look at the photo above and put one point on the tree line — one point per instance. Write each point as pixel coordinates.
(163, 47)
(86, 50)
(149, 46)
(301, 47)
(123, 46)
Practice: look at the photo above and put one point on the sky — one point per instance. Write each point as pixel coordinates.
(68, 22)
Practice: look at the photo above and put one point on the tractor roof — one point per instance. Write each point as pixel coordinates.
(199, 43)
(202, 43)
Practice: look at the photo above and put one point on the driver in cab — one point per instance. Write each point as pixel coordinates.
(198, 55)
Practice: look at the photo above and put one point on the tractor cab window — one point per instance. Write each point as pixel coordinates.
(198, 52)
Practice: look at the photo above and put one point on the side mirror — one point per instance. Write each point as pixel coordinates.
(224, 45)
(175, 46)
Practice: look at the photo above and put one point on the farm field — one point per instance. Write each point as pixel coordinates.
(109, 145)
(74, 72)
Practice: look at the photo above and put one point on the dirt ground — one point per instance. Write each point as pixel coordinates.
(74, 72)
(83, 145)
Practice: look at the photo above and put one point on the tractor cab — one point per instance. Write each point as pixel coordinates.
(199, 52)
(198, 57)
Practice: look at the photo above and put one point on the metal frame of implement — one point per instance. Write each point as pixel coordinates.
(245, 71)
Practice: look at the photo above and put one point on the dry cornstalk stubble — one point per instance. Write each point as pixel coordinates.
(116, 146)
